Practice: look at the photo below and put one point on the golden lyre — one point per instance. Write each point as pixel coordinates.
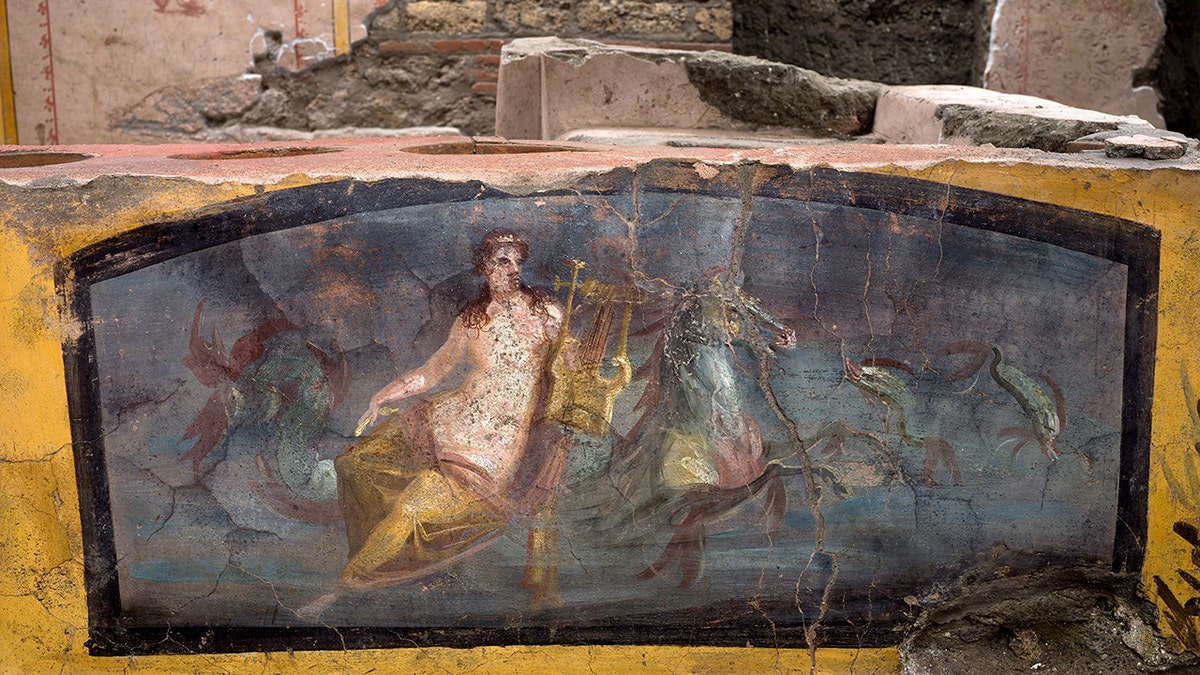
(580, 397)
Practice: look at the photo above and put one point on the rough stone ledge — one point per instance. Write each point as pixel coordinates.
(929, 114)
(186, 109)
(532, 165)
(553, 86)
(238, 133)
(578, 50)
(765, 93)
(702, 138)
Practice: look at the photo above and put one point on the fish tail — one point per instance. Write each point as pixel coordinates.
(902, 429)
(1020, 434)
(1060, 401)
(977, 350)
(668, 558)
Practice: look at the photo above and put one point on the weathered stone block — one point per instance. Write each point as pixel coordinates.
(969, 115)
(765, 93)
(1141, 145)
(446, 16)
(582, 84)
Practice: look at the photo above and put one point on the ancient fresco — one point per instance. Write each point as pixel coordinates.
(655, 408)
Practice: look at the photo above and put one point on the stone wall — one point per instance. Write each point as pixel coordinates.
(893, 41)
(1097, 54)
(435, 62)
(116, 71)
(112, 71)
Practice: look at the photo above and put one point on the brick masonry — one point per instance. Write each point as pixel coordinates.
(423, 63)
(406, 30)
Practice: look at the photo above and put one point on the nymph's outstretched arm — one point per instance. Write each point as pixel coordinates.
(420, 379)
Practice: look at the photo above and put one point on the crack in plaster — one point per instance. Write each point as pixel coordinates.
(40, 582)
(679, 663)
(45, 458)
(747, 172)
(799, 447)
(587, 573)
(590, 659)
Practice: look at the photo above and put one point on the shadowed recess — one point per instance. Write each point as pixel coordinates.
(487, 148)
(257, 153)
(18, 160)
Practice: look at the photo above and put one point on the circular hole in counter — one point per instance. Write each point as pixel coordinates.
(23, 158)
(257, 153)
(488, 148)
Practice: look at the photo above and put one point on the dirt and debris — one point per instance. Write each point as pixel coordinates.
(1071, 621)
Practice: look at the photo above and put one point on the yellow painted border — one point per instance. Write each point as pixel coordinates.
(43, 614)
(341, 27)
(8, 104)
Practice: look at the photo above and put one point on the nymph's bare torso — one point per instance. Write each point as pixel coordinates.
(486, 420)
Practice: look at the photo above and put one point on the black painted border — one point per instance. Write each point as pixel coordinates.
(1131, 244)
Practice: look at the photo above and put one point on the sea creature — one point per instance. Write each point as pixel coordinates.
(694, 453)
(705, 504)
(1047, 413)
(877, 378)
(217, 370)
(939, 451)
(295, 393)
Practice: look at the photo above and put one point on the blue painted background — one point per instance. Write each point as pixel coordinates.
(382, 288)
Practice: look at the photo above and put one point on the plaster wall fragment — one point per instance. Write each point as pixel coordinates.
(1084, 54)
(76, 64)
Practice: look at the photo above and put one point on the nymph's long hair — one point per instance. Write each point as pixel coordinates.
(475, 315)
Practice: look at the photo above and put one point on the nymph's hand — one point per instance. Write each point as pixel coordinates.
(367, 419)
(402, 388)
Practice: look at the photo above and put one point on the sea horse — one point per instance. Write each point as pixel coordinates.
(258, 383)
(694, 453)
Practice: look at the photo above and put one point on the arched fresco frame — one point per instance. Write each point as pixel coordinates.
(743, 190)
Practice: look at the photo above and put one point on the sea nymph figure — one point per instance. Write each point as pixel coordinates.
(440, 478)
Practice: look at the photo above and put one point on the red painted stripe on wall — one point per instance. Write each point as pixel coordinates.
(301, 29)
(50, 104)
